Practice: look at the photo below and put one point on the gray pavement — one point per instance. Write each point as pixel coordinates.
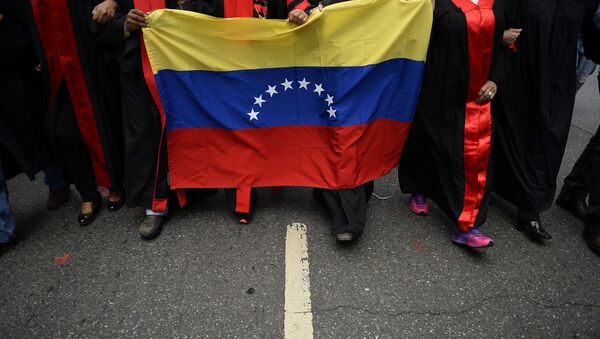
(207, 276)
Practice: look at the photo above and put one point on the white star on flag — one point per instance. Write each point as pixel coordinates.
(253, 115)
(287, 85)
(319, 89)
(329, 100)
(331, 112)
(303, 83)
(259, 101)
(272, 90)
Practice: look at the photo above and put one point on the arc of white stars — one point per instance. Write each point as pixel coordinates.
(287, 85)
(259, 101)
(319, 89)
(272, 90)
(253, 115)
(304, 83)
(329, 100)
(332, 112)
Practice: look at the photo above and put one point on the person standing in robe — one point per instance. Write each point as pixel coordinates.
(146, 178)
(242, 200)
(82, 91)
(447, 156)
(584, 179)
(533, 114)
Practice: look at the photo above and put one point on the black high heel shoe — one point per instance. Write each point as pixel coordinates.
(113, 206)
(85, 219)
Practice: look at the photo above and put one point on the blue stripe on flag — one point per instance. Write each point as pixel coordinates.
(309, 96)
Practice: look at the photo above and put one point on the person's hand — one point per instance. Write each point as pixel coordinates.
(319, 7)
(1, 17)
(135, 20)
(487, 92)
(297, 16)
(105, 11)
(510, 36)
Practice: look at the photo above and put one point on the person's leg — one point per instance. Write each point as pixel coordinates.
(592, 216)
(58, 190)
(76, 159)
(585, 66)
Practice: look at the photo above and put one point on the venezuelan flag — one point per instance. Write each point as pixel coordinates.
(251, 102)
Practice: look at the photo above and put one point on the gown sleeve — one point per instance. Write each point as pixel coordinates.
(500, 54)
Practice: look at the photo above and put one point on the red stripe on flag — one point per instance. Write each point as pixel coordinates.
(316, 156)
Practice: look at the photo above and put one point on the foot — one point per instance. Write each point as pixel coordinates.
(243, 218)
(58, 197)
(534, 229)
(344, 236)
(6, 246)
(576, 207)
(593, 240)
(152, 226)
(472, 238)
(115, 201)
(89, 210)
(418, 204)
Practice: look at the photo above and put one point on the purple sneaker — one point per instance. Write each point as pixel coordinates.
(418, 204)
(472, 238)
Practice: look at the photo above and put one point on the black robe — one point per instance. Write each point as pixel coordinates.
(99, 79)
(433, 160)
(533, 113)
(22, 141)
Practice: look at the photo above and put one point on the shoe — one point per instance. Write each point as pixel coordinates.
(534, 229)
(243, 218)
(576, 207)
(344, 236)
(6, 246)
(85, 219)
(419, 205)
(113, 206)
(593, 240)
(472, 238)
(152, 226)
(58, 197)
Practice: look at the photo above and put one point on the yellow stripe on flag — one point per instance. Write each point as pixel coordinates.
(353, 33)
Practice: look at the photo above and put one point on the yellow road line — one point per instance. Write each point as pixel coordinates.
(298, 308)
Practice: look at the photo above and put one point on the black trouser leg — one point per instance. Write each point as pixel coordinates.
(578, 183)
(347, 207)
(72, 149)
(592, 217)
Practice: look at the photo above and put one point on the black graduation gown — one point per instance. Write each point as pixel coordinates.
(433, 160)
(21, 129)
(99, 78)
(533, 113)
(145, 176)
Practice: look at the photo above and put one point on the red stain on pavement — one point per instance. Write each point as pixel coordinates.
(62, 260)
(419, 245)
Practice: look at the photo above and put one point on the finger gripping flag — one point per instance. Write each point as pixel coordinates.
(251, 102)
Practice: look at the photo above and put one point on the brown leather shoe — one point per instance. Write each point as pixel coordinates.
(593, 240)
(57, 198)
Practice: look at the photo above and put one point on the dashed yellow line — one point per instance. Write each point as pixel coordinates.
(298, 308)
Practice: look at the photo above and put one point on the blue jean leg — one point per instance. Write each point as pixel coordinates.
(7, 219)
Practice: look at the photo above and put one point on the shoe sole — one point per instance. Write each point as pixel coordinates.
(152, 235)
(491, 244)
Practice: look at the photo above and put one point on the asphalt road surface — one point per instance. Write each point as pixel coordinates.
(207, 276)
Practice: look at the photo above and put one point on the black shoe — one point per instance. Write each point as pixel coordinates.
(593, 240)
(113, 206)
(534, 229)
(6, 246)
(58, 197)
(85, 219)
(152, 226)
(243, 218)
(576, 207)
